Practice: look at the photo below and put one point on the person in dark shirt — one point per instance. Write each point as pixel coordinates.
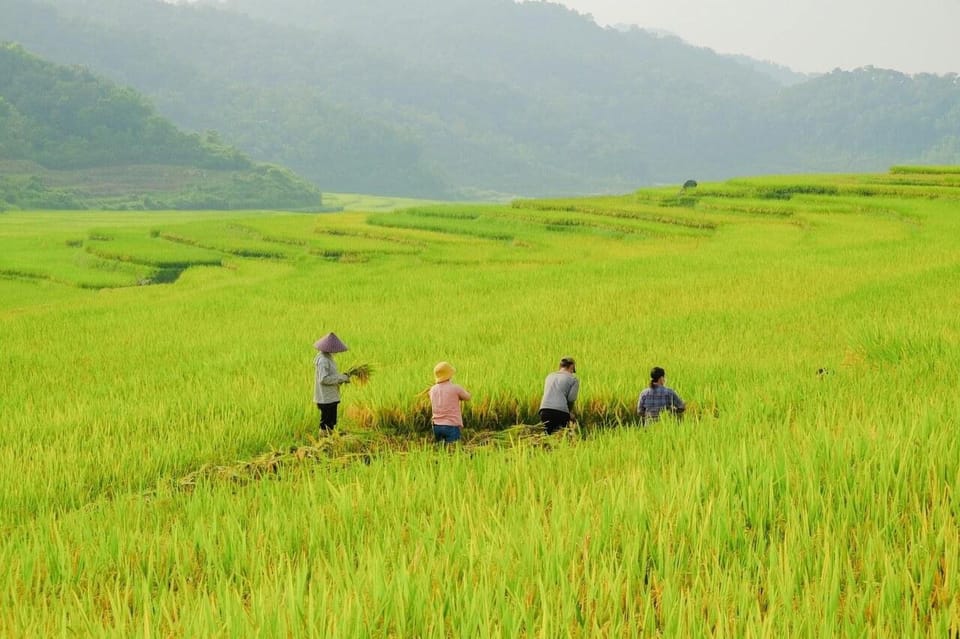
(657, 398)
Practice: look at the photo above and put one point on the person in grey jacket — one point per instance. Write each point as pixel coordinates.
(560, 391)
(326, 389)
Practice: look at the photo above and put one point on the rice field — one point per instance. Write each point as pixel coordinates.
(161, 475)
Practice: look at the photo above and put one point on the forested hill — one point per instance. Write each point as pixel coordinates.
(68, 125)
(67, 118)
(484, 97)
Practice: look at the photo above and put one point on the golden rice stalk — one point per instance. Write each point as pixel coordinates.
(360, 374)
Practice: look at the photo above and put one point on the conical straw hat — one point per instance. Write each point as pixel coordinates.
(330, 343)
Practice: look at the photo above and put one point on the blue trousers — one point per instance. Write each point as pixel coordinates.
(446, 434)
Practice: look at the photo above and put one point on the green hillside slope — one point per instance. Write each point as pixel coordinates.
(69, 139)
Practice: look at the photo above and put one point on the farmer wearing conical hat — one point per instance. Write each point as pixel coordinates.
(445, 398)
(326, 390)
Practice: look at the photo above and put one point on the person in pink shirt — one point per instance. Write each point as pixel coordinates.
(445, 398)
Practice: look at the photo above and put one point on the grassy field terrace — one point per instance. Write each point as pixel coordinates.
(161, 475)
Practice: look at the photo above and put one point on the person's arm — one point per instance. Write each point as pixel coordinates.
(678, 405)
(463, 394)
(572, 395)
(640, 404)
(329, 376)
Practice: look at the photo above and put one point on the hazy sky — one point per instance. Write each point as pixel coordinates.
(805, 35)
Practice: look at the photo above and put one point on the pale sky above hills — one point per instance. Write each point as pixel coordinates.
(806, 35)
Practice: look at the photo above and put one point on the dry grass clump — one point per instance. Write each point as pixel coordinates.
(339, 448)
(342, 449)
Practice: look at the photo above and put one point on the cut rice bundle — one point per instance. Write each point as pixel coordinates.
(360, 374)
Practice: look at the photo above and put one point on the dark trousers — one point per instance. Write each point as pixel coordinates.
(554, 420)
(446, 434)
(328, 415)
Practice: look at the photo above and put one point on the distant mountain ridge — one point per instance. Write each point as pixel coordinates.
(60, 127)
(782, 74)
(484, 98)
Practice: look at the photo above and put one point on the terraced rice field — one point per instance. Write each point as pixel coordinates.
(161, 474)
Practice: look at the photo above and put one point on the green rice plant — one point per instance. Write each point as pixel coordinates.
(662, 211)
(370, 203)
(138, 247)
(925, 170)
(440, 224)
